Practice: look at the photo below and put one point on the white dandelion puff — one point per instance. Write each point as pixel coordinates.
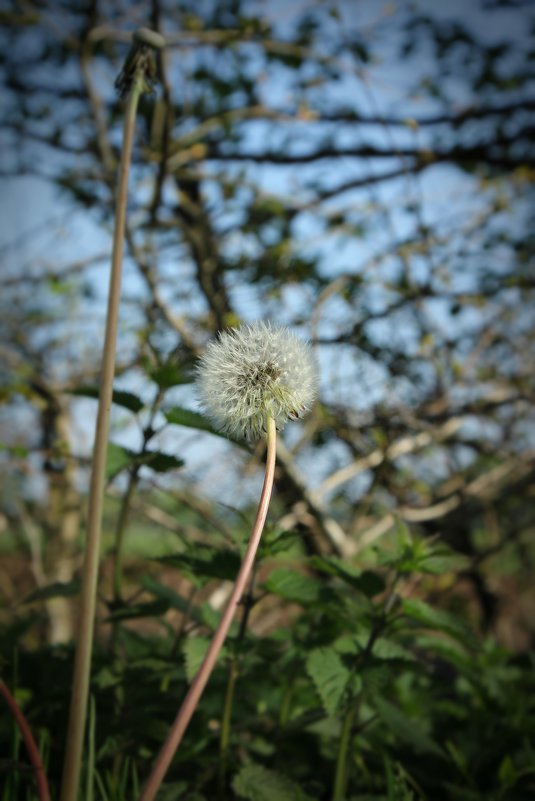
(251, 373)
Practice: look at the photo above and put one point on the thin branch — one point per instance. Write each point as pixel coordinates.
(31, 746)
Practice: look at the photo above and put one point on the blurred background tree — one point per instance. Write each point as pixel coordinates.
(360, 172)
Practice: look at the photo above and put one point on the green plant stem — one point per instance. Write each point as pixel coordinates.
(196, 689)
(33, 752)
(233, 674)
(90, 775)
(340, 776)
(120, 529)
(224, 738)
(124, 511)
(284, 711)
(84, 646)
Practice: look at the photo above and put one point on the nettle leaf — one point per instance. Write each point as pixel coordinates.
(407, 729)
(120, 397)
(384, 648)
(438, 563)
(179, 416)
(119, 458)
(194, 650)
(169, 374)
(419, 555)
(293, 586)
(377, 675)
(160, 462)
(438, 619)
(330, 676)
(57, 589)
(206, 563)
(257, 783)
(171, 597)
(450, 650)
(133, 611)
(366, 581)
(277, 542)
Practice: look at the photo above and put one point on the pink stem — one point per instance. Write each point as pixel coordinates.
(196, 689)
(29, 742)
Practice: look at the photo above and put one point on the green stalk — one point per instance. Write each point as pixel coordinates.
(341, 774)
(196, 689)
(224, 737)
(90, 775)
(233, 673)
(84, 645)
(120, 529)
(124, 511)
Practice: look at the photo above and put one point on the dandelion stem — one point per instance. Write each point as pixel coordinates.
(84, 646)
(33, 751)
(196, 689)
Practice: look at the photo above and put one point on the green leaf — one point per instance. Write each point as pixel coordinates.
(377, 675)
(366, 581)
(56, 590)
(172, 598)
(120, 397)
(293, 586)
(119, 458)
(179, 416)
(277, 542)
(439, 563)
(194, 651)
(160, 462)
(18, 451)
(437, 619)
(257, 783)
(206, 563)
(450, 650)
(407, 729)
(168, 375)
(507, 772)
(149, 609)
(329, 675)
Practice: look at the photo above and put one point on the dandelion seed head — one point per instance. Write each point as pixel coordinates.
(253, 372)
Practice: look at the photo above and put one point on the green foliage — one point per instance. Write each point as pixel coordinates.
(293, 586)
(203, 563)
(436, 712)
(120, 397)
(436, 619)
(120, 458)
(56, 590)
(330, 676)
(256, 783)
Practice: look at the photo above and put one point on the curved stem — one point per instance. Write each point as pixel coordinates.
(33, 752)
(196, 689)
